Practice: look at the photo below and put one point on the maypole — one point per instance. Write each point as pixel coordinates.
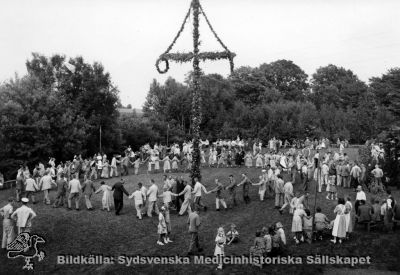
(196, 56)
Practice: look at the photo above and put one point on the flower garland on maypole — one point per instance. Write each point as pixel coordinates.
(196, 56)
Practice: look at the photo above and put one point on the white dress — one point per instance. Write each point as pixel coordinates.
(106, 200)
(167, 164)
(339, 225)
(297, 224)
(219, 249)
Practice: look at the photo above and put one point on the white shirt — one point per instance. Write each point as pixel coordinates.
(152, 192)
(197, 189)
(361, 196)
(325, 169)
(288, 188)
(138, 196)
(31, 185)
(74, 186)
(167, 197)
(24, 216)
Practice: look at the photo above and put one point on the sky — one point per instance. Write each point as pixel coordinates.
(127, 36)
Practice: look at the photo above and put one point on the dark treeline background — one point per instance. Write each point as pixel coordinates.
(57, 109)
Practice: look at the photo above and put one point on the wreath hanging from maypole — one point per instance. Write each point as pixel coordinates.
(186, 57)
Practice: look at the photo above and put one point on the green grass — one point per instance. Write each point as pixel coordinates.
(98, 232)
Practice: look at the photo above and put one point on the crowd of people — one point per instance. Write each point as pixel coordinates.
(280, 171)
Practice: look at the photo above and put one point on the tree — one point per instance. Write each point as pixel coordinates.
(336, 85)
(287, 78)
(387, 90)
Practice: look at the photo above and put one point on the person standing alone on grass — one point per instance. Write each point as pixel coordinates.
(119, 191)
(74, 187)
(194, 224)
(198, 187)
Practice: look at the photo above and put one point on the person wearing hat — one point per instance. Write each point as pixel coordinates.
(359, 197)
(24, 216)
(8, 223)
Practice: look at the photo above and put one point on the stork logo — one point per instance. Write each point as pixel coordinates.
(26, 247)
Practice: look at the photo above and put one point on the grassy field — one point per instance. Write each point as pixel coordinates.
(98, 232)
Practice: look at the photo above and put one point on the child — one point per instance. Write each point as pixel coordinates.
(168, 222)
(106, 200)
(268, 240)
(297, 223)
(276, 242)
(139, 198)
(321, 223)
(219, 251)
(232, 235)
(167, 196)
(281, 233)
(307, 226)
(331, 189)
(162, 227)
(258, 248)
(218, 198)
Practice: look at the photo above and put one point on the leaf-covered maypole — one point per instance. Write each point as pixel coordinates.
(195, 56)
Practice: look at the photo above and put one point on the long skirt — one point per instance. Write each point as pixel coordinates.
(106, 201)
(249, 162)
(349, 223)
(167, 165)
(339, 226)
(297, 224)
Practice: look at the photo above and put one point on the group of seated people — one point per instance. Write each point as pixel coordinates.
(386, 212)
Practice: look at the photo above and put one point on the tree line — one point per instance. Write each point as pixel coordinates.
(59, 106)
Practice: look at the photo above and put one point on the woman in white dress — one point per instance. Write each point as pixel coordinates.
(297, 223)
(348, 215)
(105, 172)
(259, 160)
(106, 201)
(339, 224)
(220, 242)
(167, 164)
(175, 163)
(248, 160)
(202, 158)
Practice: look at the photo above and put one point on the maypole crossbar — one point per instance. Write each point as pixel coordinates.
(195, 56)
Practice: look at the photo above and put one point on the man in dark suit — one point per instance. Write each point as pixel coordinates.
(119, 191)
(180, 185)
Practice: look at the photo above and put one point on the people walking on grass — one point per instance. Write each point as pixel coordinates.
(138, 198)
(288, 196)
(74, 188)
(152, 195)
(279, 189)
(87, 190)
(194, 223)
(162, 227)
(119, 191)
(297, 223)
(62, 187)
(30, 189)
(339, 224)
(232, 191)
(219, 199)
(45, 185)
(246, 182)
(262, 187)
(197, 192)
(187, 195)
(106, 200)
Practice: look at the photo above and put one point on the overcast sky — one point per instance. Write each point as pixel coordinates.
(127, 36)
